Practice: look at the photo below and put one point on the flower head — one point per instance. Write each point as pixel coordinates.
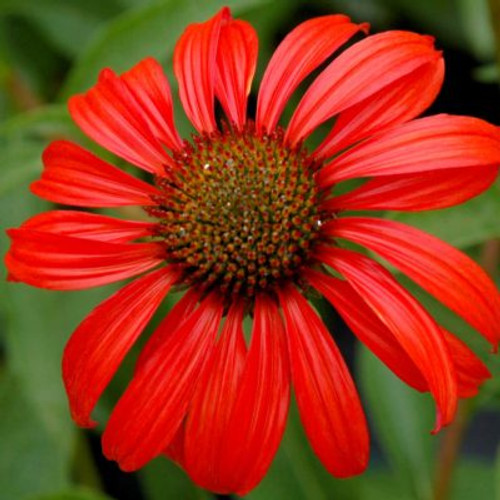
(245, 217)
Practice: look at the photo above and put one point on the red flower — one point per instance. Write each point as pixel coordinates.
(245, 218)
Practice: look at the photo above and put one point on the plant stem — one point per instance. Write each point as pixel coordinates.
(449, 450)
(20, 92)
(490, 256)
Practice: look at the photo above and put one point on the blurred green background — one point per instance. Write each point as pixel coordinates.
(50, 49)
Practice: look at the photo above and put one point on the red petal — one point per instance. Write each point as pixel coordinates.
(212, 407)
(110, 114)
(61, 262)
(195, 66)
(397, 103)
(448, 274)
(98, 346)
(423, 145)
(89, 226)
(471, 371)
(258, 417)
(416, 192)
(236, 62)
(148, 415)
(175, 449)
(300, 53)
(328, 402)
(412, 326)
(149, 85)
(364, 323)
(74, 176)
(359, 72)
(179, 313)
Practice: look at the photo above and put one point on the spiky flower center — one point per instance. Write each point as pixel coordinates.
(239, 211)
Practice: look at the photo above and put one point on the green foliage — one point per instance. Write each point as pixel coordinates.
(72, 494)
(474, 15)
(67, 25)
(463, 226)
(403, 421)
(32, 460)
(473, 480)
(148, 30)
(163, 479)
(296, 472)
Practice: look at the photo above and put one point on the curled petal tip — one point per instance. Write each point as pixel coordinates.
(127, 467)
(365, 28)
(106, 74)
(429, 39)
(439, 422)
(32, 186)
(86, 423)
(225, 12)
(73, 103)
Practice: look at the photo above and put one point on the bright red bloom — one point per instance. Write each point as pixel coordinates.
(246, 219)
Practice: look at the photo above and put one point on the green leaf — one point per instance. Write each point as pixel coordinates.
(73, 494)
(437, 17)
(488, 73)
(20, 164)
(31, 458)
(402, 419)
(41, 123)
(380, 485)
(23, 139)
(31, 61)
(494, 6)
(37, 429)
(475, 20)
(297, 473)
(473, 479)
(374, 11)
(465, 225)
(150, 30)
(162, 479)
(67, 24)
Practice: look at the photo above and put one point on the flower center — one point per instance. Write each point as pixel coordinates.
(240, 211)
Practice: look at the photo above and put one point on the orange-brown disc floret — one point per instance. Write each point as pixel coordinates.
(239, 211)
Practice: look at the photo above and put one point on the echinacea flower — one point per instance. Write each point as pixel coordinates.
(246, 219)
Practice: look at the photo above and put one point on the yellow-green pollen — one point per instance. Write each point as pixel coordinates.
(239, 211)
